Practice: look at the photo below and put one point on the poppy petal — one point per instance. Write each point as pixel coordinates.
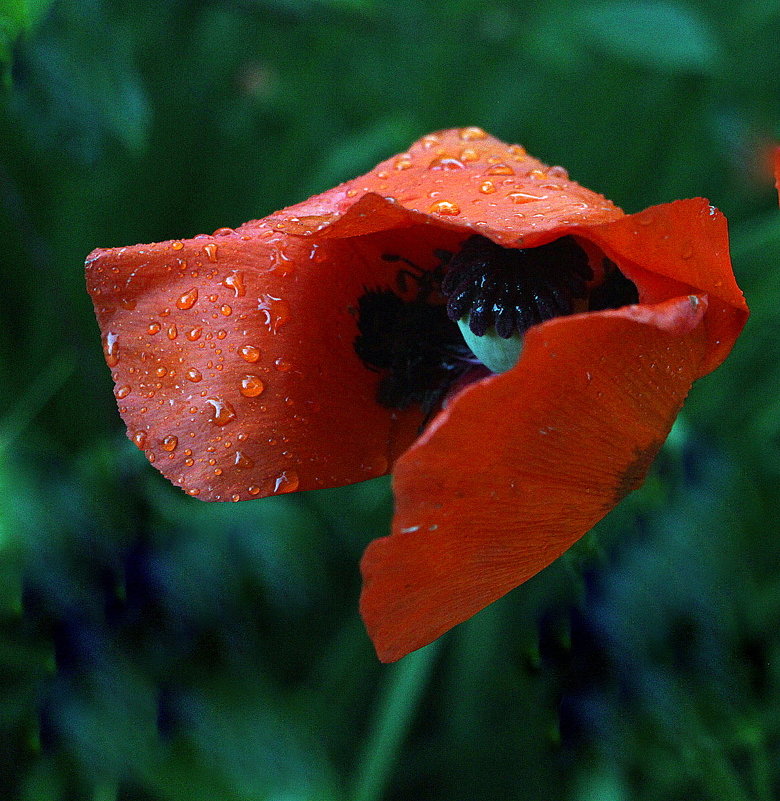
(234, 363)
(677, 249)
(520, 465)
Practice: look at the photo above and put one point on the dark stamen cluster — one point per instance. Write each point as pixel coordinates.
(414, 345)
(513, 289)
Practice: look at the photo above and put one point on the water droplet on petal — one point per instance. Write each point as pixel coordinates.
(226, 310)
(472, 133)
(282, 365)
(469, 154)
(288, 481)
(243, 461)
(221, 412)
(487, 187)
(139, 438)
(194, 375)
(188, 299)
(123, 391)
(402, 164)
(172, 332)
(249, 353)
(111, 349)
(251, 386)
(161, 372)
(193, 492)
(169, 443)
(524, 197)
(276, 312)
(446, 163)
(254, 490)
(445, 207)
(194, 333)
(500, 169)
(177, 245)
(223, 232)
(235, 281)
(153, 328)
(211, 251)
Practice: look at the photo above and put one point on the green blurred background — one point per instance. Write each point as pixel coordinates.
(155, 648)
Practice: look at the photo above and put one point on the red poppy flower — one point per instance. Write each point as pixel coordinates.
(317, 347)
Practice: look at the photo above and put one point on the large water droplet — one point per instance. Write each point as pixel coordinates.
(221, 411)
(243, 461)
(172, 332)
(188, 299)
(487, 187)
(139, 438)
(123, 391)
(111, 349)
(446, 163)
(524, 197)
(472, 133)
(276, 312)
(194, 333)
(500, 169)
(211, 251)
(153, 328)
(169, 443)
(249, 353)
(446, 207)
(194, 375)
(288, 481)
(235, 281)
(251, 386)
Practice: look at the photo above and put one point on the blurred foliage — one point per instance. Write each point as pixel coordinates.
(153, 648)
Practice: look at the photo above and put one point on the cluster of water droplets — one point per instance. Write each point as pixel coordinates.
(158, 375)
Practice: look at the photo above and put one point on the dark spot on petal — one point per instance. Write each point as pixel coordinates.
(634, 475)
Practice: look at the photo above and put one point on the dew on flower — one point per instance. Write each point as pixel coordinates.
(251, 386)
(235, 281)
(249, 353)
(169, 443)
(446, 207)
(222, 412)
(187, 299)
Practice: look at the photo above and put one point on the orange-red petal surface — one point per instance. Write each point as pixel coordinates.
(234, 365)
(521, 465)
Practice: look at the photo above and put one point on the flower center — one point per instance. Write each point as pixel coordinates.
(494, 294)
(510, 289)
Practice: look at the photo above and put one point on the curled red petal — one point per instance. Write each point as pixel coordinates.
(677, 249)
(234, 365)
(522, 464)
